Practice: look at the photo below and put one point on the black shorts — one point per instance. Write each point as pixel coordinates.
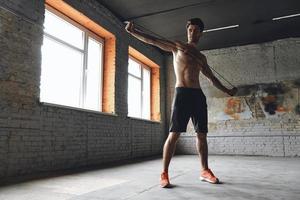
(188, 102)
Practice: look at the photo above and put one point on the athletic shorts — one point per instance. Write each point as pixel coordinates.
(188, 103)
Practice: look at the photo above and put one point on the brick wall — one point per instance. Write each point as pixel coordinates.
(37, 138)
(273, 63)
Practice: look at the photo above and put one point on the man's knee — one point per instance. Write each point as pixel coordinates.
(201, 136)
(173, 137)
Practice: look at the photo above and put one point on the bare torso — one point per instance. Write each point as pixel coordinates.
(186, 68)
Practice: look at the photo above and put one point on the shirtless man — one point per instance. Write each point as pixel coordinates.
(189, 100)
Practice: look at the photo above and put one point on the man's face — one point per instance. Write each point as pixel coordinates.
(193, 33)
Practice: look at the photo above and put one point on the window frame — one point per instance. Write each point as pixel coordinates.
(143, 66)
(86, 35)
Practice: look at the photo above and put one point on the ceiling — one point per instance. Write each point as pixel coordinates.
(167, 19)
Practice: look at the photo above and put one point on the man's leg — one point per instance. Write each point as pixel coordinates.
(169, 149)
(206, 173)
(168, 152)
(202, 149)
(180, 114)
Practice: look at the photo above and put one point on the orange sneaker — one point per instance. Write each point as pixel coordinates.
(208, 176)
(164, 180)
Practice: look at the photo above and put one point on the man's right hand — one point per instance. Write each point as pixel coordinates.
(129, 27)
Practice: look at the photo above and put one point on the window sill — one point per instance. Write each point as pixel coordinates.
(145, 120)
(78, 109)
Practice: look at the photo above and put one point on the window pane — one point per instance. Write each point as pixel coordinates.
(146, 94)
(93, 84)
(134, 97)
(61, 74)
(63, 30)
(134, 68)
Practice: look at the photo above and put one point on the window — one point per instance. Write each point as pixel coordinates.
(143, 87)
(72, 64)
(139, 76)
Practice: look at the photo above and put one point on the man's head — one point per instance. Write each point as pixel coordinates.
(194, 27)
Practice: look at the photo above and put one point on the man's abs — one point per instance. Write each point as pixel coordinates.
(186, 70)
(187, 77)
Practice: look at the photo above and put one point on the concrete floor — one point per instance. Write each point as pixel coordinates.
(242, 178)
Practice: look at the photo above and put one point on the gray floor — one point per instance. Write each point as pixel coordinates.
(242, 178)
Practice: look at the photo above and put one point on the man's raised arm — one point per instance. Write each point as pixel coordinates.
(149, 39)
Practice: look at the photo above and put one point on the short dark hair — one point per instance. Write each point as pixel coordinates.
(195, 21)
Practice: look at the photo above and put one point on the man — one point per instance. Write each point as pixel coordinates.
(189, 100)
